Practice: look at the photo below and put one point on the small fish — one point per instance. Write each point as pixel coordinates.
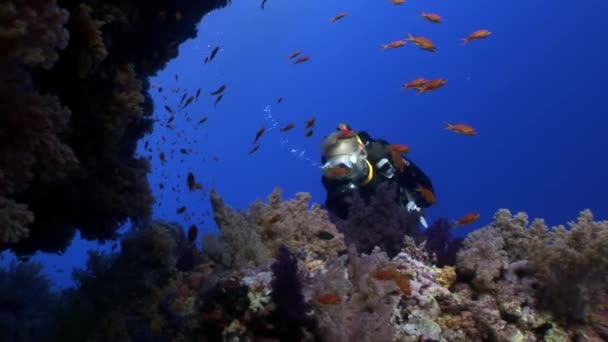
(393, 45)
(400, 148)
(183, 98)
(422, 42)
(198, 92)
(347, 134)
(217, 100)
(433, 84)
(212, 55)
(310, 123)
(192, 232)
(294, 54)
(183, 151)
(385, 274)
(161, 156)
(180, 210)
(397, 2)
(114, 246)
(398, 160)
(176, 78)
(432, 17)
(168, 109)
(263, 4)
(188, 101)
(258, 135)
(192, 184)
(427, 194)
(328, 299)
(403, 282)
(219, 90)
(338, 17)
(254, 149)
(203, 120)
(415, 84)
(288, 127)
(279, 100)
(479, 34)
(302, 59)
(461, 128)
(275, 218)
(325, 235)
(467, 219)
(308, 133)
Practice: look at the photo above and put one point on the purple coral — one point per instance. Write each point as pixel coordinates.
(379, 221)
(441, 244)
(291, 311)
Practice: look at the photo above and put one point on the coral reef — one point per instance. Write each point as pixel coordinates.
(379, 221)
(74, 93)
(27, 303)
(345, 295)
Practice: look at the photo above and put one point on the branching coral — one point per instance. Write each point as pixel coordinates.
(381, 222)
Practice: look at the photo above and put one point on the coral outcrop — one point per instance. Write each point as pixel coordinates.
(501, 289)
(74, 98)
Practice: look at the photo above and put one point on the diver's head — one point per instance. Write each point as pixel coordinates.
(344, 157)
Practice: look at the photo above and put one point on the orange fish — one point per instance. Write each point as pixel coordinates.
(399, 148)
(463, 129)
(275, 218)
(403, 282)
(468, 218)
(338, 17)
(192, 232)
(433, 84)
(287, 127)
(295, 54)
(398, 160)
(479, 34)
(329, 298)
(192, 184)
(301, 59)
(393, 45)
(432, 17)
(345, 134)
(397, 2)
(415, 84)
(422, 42)
(427, 194)
(310, 123)
(386, 274)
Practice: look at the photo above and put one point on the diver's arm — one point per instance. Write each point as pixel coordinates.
(412, 178)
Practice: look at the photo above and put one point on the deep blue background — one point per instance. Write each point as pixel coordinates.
(535, 91)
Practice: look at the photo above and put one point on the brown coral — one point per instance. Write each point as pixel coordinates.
(32, 31)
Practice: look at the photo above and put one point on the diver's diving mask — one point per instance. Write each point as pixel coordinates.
(349, 166)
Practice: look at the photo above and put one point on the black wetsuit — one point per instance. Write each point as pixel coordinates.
(339, 192)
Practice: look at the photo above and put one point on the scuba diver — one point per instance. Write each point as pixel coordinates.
(354, 162)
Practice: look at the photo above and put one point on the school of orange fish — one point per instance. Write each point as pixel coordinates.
(420, 85)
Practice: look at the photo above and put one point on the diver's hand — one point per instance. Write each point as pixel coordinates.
(411, 206)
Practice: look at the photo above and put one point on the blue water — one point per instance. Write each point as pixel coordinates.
(535, 90)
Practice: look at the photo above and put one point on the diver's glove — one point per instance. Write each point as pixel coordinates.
(411, 206)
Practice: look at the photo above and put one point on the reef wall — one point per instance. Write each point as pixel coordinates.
(74, 101)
